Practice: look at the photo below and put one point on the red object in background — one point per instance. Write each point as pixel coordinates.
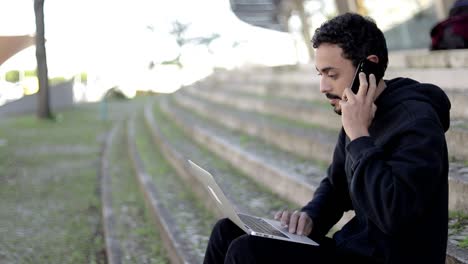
(10, 45)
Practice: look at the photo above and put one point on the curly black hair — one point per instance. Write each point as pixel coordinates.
(358, 36)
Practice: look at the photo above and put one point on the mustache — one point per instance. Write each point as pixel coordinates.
(332, 96)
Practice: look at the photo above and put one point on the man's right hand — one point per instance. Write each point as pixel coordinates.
(296, 222)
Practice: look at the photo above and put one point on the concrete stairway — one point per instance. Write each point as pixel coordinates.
(271, 124)
(312, 133)
(267, 137)
(158, 150)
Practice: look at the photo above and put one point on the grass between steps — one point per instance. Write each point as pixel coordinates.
(458, 228)
(463, 124)
(136, 232)
(295, 123)
(191, 217)
(273, 118)
(458, 223)
(50, 209)
(268, 97)
(245, 139)
(264, 202)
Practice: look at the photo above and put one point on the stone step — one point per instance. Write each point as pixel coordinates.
(458, 233)
(265, 130)
(292, 74)
(458, 100)
(457, 136)
(246, 194)
(305, 140)
(458, 187)
(177, 161)
(424, 58)
(183, 223)
(304, 86)
(447, 78)
(113, 247)
(130, 233)
(456, 255)
(312, 112)
(308, 89)
(290, 177)
(450, 79)
(199, 129)
(406, 59)
(312, 108)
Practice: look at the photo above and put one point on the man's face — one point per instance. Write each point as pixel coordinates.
(336, 73)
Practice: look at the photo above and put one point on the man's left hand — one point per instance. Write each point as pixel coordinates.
(358, 110)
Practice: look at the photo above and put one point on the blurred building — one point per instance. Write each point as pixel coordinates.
(10, 45)
(400, 20)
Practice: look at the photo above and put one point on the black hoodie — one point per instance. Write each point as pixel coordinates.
(396, 180)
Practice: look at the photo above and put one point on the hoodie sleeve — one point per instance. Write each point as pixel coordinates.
(394, 187)
(328, 204)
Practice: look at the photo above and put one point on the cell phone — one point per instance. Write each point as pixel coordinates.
(367, 67)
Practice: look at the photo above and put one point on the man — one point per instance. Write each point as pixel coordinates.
(390, 166)
(452, 33)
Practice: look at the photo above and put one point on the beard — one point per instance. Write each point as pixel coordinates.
(335, 107)
(338, 111)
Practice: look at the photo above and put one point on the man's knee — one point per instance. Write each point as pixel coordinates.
(226, 229)
(223, 224)
(240, 250)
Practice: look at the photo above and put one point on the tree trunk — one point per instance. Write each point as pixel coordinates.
(43, 109)
(305, 27)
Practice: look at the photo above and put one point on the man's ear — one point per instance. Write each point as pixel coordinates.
(373, 58)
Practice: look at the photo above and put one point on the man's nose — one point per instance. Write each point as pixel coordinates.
(324, 86)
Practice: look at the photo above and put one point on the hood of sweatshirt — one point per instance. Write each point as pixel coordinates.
(399, 90)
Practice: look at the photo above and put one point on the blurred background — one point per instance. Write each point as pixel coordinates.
(160, 45)
(102, 102)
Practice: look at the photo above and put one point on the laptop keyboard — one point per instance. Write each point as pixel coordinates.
(261, 226)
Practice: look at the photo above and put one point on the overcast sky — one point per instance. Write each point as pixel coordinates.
(112, 35)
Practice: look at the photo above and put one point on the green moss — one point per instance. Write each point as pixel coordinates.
(245, 139)
(50, 210)
(463, 243)
(282, 121)
(176, 196)
(151, 155)
(130, 209)
(294, 123)
(173, 132)
(458, 221)
(318, 103)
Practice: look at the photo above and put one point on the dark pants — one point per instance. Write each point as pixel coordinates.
(230, 244)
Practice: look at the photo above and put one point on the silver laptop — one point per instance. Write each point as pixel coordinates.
(252, 225)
